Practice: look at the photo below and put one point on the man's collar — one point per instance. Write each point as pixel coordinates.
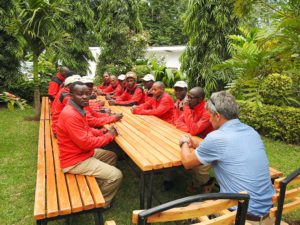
(77, 107)
(229, 123)
(159, 97)
(200, 105)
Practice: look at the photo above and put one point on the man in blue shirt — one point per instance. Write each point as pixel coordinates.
(237, 155)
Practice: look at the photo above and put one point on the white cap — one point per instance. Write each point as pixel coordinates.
(181, 84)
(86, 80)
(72, 79)
(148, 77)
(122, 77)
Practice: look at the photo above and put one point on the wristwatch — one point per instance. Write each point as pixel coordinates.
(183, 142)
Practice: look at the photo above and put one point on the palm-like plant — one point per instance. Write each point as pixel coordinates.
(37, 22)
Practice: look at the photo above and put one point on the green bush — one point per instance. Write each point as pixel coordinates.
(276, 122)
(170, 91)
(141, 70)
(276, 89)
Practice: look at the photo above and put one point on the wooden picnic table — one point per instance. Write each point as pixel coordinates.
(152, 144)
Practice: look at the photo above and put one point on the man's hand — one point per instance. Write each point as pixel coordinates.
(118, 116)
(133, 107)
(112, 130)
(99, 92)
(112, 102)
(185, 102)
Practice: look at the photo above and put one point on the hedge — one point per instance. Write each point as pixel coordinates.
(272, 121)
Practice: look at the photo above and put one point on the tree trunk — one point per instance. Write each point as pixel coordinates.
(37, 98)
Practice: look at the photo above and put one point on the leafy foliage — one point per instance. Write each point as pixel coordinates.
(207, 23)
(162, 19)
(276, 122)
(13, 101)
(121, 37)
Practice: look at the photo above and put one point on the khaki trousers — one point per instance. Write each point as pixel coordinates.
(102, 166)
(200, 175)
(267, 221)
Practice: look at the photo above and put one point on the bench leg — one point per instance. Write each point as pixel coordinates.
(98, 218)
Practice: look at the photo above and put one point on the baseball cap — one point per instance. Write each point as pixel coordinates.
(181, 84)
(148, 77)
(71, 79)
(121, 77)
(131, 74)
(86, 80)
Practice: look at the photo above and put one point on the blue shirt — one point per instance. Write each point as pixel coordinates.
(237, 154)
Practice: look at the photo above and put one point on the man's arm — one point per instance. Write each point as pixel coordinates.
(135, 99)
(164, 106)
(188, 157)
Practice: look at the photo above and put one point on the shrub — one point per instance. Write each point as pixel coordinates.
(170, 91)
(276, 89)
(13, 101)
(276, 122)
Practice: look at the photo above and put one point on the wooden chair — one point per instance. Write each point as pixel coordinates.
(286, 201)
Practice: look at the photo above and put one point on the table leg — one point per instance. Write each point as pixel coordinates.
(142, 190)
(149, 202)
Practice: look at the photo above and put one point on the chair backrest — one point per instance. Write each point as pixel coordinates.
(198, 206)
(292, 195)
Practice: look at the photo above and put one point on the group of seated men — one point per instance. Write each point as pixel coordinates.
(234, 150)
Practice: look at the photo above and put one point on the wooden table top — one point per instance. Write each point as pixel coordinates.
(151, 142)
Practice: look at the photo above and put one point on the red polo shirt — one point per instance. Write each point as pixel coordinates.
(131, 96)
(195, 121)
(59, 103)
(96, 119)
(178, 110)
(117, 90)
(54, 86)
(162, 108)
(76, 140)
(103, 86)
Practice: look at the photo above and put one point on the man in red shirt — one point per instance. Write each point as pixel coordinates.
(79, 145)
(61, 101)
(56, 83)
(195, 118)
(180, 90)
(114, 87)
(161, 105)
(133, 95)
(148, 81)
(106, 81)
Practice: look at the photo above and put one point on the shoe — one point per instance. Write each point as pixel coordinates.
(167, 185)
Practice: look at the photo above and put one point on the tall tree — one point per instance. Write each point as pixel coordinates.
(163, 21)
(207, 23)
(121, 37)
(10, 48)
(37, 22)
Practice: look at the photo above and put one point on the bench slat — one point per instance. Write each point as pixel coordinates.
(62, 190)
(86, 197)
(47, 111)
(226, 219)
(287, 207)
(39, 203)
(75, 198)
(43, 109)
(95, 191)
(52, 206)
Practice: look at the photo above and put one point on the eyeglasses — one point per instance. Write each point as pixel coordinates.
(192, 97)
(213, 106)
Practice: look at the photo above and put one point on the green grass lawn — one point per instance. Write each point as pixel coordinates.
(18, 155)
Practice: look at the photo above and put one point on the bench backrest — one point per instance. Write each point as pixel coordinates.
(200, 207)
(286, 200)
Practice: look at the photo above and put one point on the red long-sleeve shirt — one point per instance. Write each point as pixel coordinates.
(96, 119)
(54, 86)
(104, 85)
(178, 110)
(131, 96)
(162, 108)
(117, 90)
(59, 103)
(76, 140)
(195, 121)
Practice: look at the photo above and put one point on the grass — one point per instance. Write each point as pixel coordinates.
(18, 155)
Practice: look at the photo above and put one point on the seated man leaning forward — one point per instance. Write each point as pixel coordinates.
(133, 95)
(237, 155)
(161, 105)
(79, 151)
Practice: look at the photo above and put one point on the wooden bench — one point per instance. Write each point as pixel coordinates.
(286, 200)
(205, 208)
(60, 195)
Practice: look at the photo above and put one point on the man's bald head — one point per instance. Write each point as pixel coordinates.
(64, 71)
(158, 89)
(195, 96)
(113, 80)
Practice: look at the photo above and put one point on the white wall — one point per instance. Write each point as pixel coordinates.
(170, 54)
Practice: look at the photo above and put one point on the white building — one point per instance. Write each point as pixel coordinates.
(170, 54)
